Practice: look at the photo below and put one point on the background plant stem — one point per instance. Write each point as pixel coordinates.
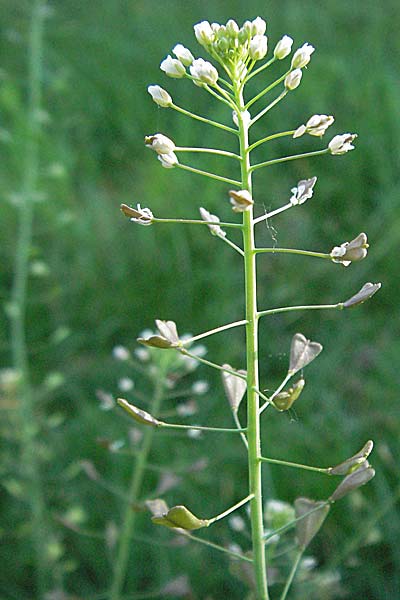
(19, 348)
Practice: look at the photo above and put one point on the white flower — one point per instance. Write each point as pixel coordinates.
(204, 71)
(302, 56)
(173, 67)
(232, 28)
(241, 200)
(283, 47)
(143, 216)
(215, 229)
(159, 143)
(204, 33)
(200, 387)
(292, 81)
(168, 161)
(183, 54)
(237, 523)
(316, 125)
(341, 144)
(258, 47)
(142, 354)
(125, 384)
(120, 353)
(303, 191)
(351, 251)
(159, 95)
(258, 26)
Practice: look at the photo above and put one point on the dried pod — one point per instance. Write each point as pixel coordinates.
(141, 416)
(314, 514)
(234, 387)
(168, 337)
(366, 292)
(302, 352)
(285, 400)
(354, 480)
(353, 463)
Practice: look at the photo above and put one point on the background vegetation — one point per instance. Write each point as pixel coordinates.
(96, 282)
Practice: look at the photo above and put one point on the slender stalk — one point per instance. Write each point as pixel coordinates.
(231, 509)
(292, 574)
(268, 108)
(199, 428)
(207, 174)
(273, 213)
(276, 392)
(292, 524)
(212, 331)
(231, 244)
(208, 151)
(215, 546)
(274, 136)
(18, 327)
(253, 419)
(285, 463)
(138, 471)
(197, 222)
(183, 111)
(213, 365)
(266, 90)
(275, 311)
(276, 161)
(260, 69)
(293, 251)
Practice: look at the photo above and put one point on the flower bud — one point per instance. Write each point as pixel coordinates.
(173, 67)
(313, 514)
(143, 216)
(258, 26)
(292, 81)
(356, 479)
(204, 71)
(141, 416)
(168, 161)
(283, 47)
(183, 55)
(177, 517)
(303, 191)
(302, 56)
(316, 125)
(241, 200)
(215, 229)
(258, 47)
(204, 33)
(341, 144)
(366, 292)
(160, 96)
(232, 28)
(159, 143)
(302, 352)
(350, 251)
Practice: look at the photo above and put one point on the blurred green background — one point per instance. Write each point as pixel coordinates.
(96, 281)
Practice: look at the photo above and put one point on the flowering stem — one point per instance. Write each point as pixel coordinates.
(231, 244)
(274, 136)
(285, 463)
(197, 222)
(211, 364)
(212, 331)
(239, 426)
(163, 425)
(266, 90)
(207, 174)
(222, 96)
(273, 213)
(274, 311)
(292, 574)
(231, 509)
(292, 523)
(257, 71)
(208, 151)
(287, 158)
(183, 111)
(253, 418)
(267, 108)
(292, 251)
(215, 546)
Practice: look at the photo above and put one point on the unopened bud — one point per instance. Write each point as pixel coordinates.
(283, 47)
(341, 144)
(173, 67)
(258, 47)
(159, 143)
(258, 26)
(349, 252)
(183, 55)
(204, 71)
(160, 96)
(302, 56)
(213, 227)
(316, 125)
(168, 161)
(292, 81)
(204, 33)
(232, 28)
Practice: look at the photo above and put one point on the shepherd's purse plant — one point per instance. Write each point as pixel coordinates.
(239, 55)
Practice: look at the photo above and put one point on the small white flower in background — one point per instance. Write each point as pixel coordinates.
(194, 434)
(303, 191)
(125, 384)
(241, 201)
(143, 216)
(308, 563)
(135, 435)
(159, 143)
(258, 47)
(215, 229)
(200, 387)
(302, 56)
(160, 96)
(187, 409)
(316, 125)
(106, 400)
(183, 54)
(246, 117)
(142, 354)
(258, 26)
(204, 71)
(351, 251)
(341, 144)
(121, 353)
(168, 161)
(237, 523)
(292, 81)
(204, 33)
(283, 47)
(173, 67)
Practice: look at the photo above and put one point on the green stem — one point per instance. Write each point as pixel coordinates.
(199, 428)
(266, 90)
(273, 213)
(197, 222)
(292, 574)
(19, 293)
(260, 69)
(208, 151)
(274, 136)
(285, 463)
(122, 558)
(207, 174)
(268, 108)
(276, 161)
(293, 251)
(275, 311)
(216, 547)
(292, 523)
(231, 244)
(253, 418)
(211, 364)
(212, 331)
(231, 509)
(183, 111)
